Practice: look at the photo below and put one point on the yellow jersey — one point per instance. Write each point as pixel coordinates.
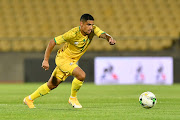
(76, 44)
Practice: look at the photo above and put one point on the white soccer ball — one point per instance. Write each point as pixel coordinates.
(147, 99)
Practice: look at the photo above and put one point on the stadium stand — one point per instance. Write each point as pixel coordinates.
(27, 25)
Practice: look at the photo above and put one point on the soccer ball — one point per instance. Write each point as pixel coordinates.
(147, 99)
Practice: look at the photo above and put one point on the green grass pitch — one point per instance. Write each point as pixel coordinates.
(109, 102)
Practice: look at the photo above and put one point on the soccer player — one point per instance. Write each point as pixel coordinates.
(76, 42)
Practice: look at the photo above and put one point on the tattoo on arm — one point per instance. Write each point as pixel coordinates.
(105, 36)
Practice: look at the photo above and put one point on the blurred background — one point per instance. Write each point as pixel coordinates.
(140, 27)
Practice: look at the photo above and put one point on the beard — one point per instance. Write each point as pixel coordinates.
(88, 33)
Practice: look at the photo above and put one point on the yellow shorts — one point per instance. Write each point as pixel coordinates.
(64, 68)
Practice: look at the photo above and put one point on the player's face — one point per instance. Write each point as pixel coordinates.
(87, 26)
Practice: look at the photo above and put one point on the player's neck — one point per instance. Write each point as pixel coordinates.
(82, 32)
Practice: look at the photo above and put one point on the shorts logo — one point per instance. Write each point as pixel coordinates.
(71, 63)
(41, 94)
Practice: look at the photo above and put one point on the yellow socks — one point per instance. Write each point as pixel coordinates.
(41, 91)
(76, 85)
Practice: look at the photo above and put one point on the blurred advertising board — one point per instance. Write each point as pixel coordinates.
(133, 70)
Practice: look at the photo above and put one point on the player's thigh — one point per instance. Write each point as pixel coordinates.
(59, 74)
(56, 78)
(79, 73)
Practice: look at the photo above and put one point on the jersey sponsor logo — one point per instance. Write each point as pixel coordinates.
(76, 43)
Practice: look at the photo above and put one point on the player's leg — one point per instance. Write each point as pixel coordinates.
(69, 67)
(44, 89)
(53, 82)
(79, 76)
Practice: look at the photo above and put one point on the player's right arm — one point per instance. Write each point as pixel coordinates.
(45, 63)
(66, 37)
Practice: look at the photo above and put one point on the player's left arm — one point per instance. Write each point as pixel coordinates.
(102, 34)
(108, 38)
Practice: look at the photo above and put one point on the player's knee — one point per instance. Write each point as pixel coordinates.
(53, 83)
(52, 86)
(82, 77)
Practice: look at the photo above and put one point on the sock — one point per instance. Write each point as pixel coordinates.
(41, 91)
(76, 85)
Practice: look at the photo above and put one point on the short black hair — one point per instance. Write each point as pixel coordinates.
(86, 17)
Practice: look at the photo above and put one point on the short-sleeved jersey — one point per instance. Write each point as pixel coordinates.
(76, 44)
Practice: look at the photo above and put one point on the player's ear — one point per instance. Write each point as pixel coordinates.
(81, 23)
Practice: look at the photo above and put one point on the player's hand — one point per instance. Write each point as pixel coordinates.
(112, 41)
(45, 64)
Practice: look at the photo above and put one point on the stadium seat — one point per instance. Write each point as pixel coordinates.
(141, 44)
(166, 43)
(97, 45)
(155, 45)
(133, 20)
(132, 45)
(27, 45)
(39, 45)
(5, 45)
(121, 45)
(16, 45)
